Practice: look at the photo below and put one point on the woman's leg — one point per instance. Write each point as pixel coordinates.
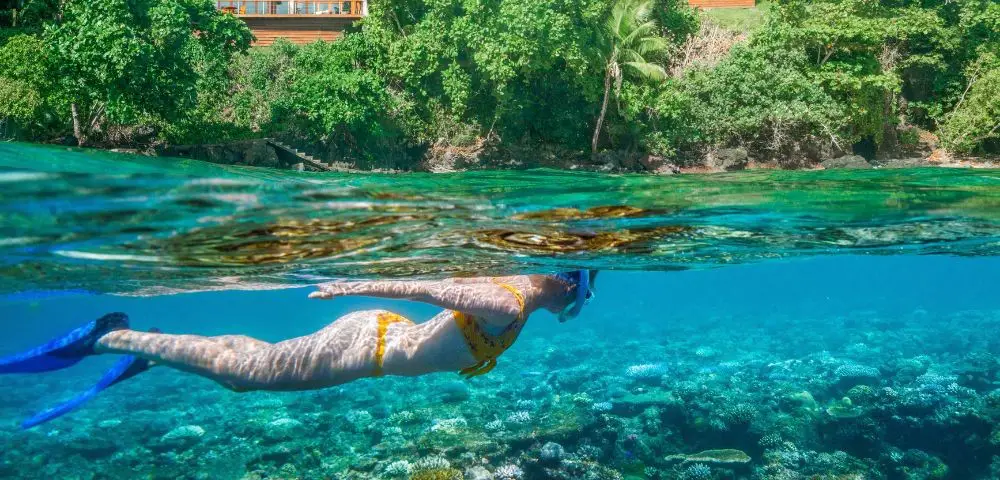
(341, 352)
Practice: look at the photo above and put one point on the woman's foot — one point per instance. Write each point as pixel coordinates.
(66, 350)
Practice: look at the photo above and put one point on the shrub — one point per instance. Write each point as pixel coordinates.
(761, 97)
(23, 82)
(975, 120)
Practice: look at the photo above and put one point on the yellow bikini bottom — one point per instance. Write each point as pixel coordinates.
(384, 320)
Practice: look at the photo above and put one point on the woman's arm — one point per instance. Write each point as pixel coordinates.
(479, 298)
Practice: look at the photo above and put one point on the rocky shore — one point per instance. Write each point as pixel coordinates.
(259, 153)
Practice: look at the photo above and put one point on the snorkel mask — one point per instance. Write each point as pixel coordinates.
(583, 293)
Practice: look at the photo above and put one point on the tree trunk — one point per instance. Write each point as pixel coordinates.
(77, 129)
(889, 147)
(604, 110)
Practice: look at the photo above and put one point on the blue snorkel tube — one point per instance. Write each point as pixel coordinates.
(583, 294)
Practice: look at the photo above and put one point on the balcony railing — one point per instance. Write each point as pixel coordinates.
(292, 7)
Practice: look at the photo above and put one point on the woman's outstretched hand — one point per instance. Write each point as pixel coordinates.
(327, 291)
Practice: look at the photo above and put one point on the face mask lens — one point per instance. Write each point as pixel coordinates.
(566, 313)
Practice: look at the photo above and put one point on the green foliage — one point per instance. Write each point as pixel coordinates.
(260, 78)
(333, 101)
(18, 100)
(675, 19)
(421, 74)
(631, 43)
(236, 99)
(28, 15)
(855, 58)
(973, 123)
(976, 118)
(23, 83)
(762, 96)
(845, 71)
(133, 61)
(519, 69)
(331, 95)
(872, 55)
(22, 77)
(657, 118)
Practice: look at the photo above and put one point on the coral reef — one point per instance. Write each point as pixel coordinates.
(777, 398)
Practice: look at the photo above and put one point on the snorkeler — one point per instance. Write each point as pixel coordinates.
(482, 318)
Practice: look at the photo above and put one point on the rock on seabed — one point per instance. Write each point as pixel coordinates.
(725, 456)
(182, 438)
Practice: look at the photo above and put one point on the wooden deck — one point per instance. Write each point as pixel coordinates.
(299, 21)
(722, 3)
(297, 28)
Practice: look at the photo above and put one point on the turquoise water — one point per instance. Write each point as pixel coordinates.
(832, 325)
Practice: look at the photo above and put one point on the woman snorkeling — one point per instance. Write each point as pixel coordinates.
(482, 318)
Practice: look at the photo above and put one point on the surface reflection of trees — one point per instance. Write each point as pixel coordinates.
(554, 241)
(279, 242)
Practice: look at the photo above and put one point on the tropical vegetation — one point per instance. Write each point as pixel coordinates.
(589, 79)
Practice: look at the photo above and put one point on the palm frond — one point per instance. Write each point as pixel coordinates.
(642, 10)
(630, 55)
(617, 19)
(644, 29)
(633, 37)
(650, 71)
(647, 45)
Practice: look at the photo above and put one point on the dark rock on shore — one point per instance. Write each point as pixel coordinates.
(255, 153)
(658, 165)
(846, 161)
(728, 159)
(913, 162)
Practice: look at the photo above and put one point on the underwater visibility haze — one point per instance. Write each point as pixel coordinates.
(755, 325)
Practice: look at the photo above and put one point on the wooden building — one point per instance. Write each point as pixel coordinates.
(304, 21)
(300, 21)
(722, 3)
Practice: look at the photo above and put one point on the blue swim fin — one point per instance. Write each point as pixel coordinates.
(63, 351)
(109, 378)
(124, 369)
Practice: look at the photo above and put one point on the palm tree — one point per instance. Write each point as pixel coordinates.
(631, 37)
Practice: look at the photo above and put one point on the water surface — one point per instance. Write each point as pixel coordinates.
(828, 325)
(86, 220)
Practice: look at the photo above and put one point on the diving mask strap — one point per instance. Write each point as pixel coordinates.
(582, 290)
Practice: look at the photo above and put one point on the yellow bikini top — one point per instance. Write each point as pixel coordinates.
(485, 346)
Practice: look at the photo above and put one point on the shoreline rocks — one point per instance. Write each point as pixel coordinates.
(483, 156)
